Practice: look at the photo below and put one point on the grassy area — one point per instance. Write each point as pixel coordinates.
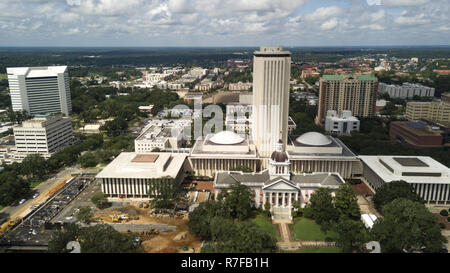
(3, 77)
(320, 249)
(34, 184)
(305, 229)
(265, 223)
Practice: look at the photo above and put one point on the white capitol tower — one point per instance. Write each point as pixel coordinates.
(271, 75)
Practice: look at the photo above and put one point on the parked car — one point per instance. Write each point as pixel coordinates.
(22, 201)
(35, 195)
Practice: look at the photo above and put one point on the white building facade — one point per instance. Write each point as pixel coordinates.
(45, 136)
(406, 91)
(271, 75)
(429, 178)
(342, 123)
(39, 90)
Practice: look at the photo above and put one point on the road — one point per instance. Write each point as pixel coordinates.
(44, 189)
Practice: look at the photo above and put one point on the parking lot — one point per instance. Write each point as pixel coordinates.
(32, 230)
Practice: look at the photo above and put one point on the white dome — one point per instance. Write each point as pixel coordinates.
(226, 138)
(314, 139)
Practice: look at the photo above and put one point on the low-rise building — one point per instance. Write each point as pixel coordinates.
(130, 175)
(429, 178)
(406, 91)
(161, 134)
(342, 123)
(240, 86)
(421, 134)
(438, 111)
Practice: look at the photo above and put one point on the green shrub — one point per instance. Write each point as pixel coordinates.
(444, 212)
(448, 219)
(442, 225)
(308, 213)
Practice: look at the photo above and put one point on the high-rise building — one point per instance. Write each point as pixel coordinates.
(355, 93)
(271, 74)
(39, 90)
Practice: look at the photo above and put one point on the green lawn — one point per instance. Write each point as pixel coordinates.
(265, 223)
(305, 229)
(3, 77)
(34, 184)
(320, 249)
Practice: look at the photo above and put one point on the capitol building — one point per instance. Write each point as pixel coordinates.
(280, 169)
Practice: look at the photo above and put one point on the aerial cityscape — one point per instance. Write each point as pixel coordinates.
(221, 133)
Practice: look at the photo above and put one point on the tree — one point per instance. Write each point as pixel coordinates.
(87, 160)
(165, 192)
(12, 187)
(352, 235)
(246, 238)
(393, 190)
(84, 215)
(35, 166)
(100, 200)
(346, 202)
(100, 238)
(321, 205)
(407, 226)
(200, 219)
(237, 201)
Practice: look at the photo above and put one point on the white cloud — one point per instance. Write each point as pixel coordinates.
(399, 3)
(222, 22)
(330, 24)
(323, 13)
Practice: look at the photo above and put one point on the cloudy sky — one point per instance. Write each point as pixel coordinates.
(224, 22)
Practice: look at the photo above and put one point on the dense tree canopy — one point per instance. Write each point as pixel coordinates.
(393, 190)
(323, 210)
(407, 226)
(239, 237)
(352, 235)
(237, 201)
(346, 202)
(100, 238)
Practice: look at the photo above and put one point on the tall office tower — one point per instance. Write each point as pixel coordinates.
(271, 75)
(355, 93)
(40, 90)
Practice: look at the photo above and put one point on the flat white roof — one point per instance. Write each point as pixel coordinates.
(422, 165)
(122, 166)
(34, 72)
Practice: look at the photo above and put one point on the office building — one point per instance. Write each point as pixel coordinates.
(342, 123)
(162, 134)
(438, 111)
(271, 75)
(420, 134)
(429, 178)
(356, 93)
(40, 90)
(42, 135)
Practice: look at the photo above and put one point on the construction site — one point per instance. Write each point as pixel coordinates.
(161, 231)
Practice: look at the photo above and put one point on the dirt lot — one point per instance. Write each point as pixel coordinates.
(165, 242)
